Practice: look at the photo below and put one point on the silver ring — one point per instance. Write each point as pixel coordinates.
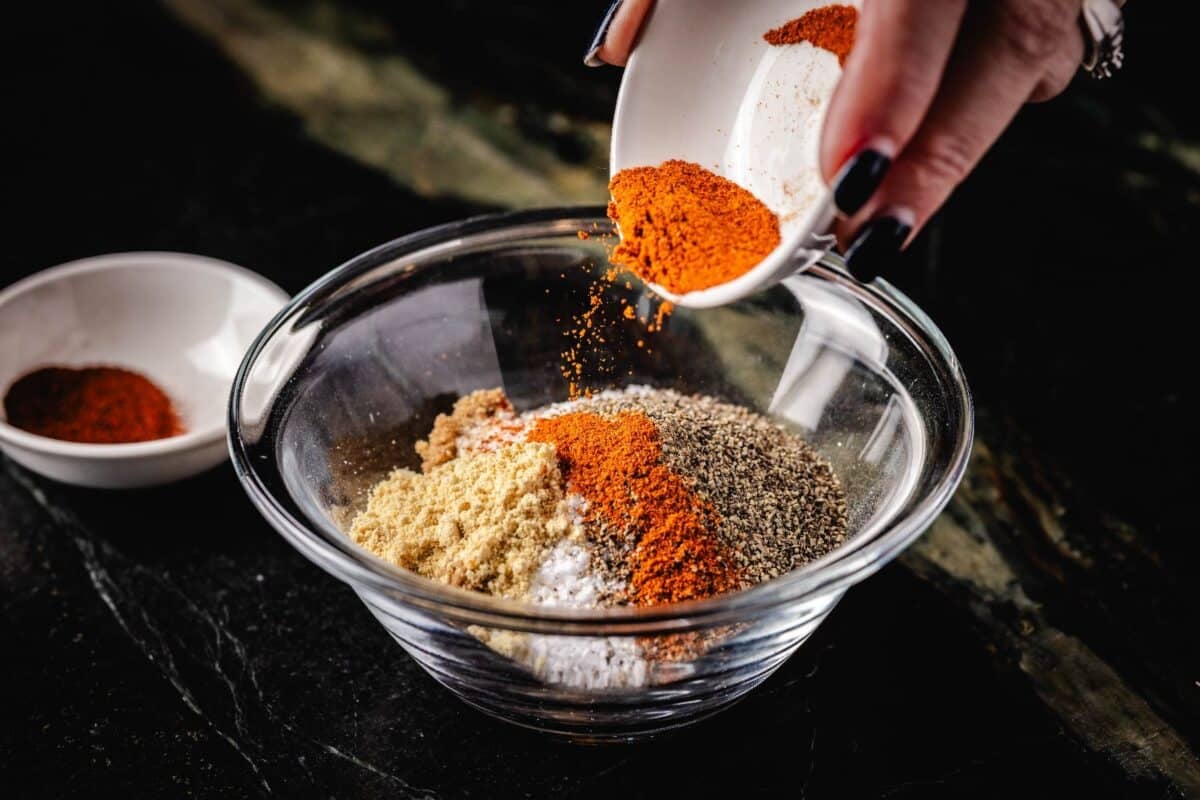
(1104, 37)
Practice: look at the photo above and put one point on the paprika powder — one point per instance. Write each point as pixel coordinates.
(829, 28)
(686, 228)
(96, 405)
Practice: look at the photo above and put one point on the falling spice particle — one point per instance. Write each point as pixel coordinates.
(664, 311)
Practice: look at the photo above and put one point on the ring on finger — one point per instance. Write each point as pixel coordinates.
(1104, 36)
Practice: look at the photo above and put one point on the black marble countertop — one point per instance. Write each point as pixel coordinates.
(1040, 640)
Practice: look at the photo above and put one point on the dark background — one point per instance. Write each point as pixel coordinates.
(175, 645)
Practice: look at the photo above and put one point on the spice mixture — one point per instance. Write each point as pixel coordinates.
(661, 526)
(98, 405)
(686, 228)
(633, 497)
(829, 28)
(778, 503)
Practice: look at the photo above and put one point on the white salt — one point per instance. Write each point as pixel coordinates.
(566, 578)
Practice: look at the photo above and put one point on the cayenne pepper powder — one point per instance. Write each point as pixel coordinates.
(616, 464)
(686, 228)
(98, 405)
(829, 28)
(588, 359)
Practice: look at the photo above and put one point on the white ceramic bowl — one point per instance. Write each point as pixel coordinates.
(703, 86)
(184, 321)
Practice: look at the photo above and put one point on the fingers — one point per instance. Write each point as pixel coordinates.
(617, 33)
(900, 52)
(1061, 71)
(1005, 50)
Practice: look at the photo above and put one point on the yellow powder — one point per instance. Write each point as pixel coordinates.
(482, 521)
(473, 409)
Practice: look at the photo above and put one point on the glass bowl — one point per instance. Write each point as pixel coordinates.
(340, 385)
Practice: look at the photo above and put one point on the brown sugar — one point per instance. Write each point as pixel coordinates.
(471, 410)
(480, 521)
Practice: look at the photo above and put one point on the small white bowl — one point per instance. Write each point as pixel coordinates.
(183, 321)
(703, 86)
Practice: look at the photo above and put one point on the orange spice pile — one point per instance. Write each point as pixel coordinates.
(616, 465)
(830, 28)
(94, 405)
(686, 228)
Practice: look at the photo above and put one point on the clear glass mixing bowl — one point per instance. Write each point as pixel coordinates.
(342, 382)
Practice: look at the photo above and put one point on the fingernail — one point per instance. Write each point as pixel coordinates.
(878, 243)
(590, 58)
(859, 178)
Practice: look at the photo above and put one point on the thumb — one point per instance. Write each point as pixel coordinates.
(617, 34)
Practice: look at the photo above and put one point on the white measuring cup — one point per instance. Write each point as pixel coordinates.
(702, 85)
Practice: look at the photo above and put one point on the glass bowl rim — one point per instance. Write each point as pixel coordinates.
(334, 552)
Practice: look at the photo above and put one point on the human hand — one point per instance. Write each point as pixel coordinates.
(928, 88)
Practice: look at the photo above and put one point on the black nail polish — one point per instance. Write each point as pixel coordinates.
(878, 243)
(589, 57)
(858, 180)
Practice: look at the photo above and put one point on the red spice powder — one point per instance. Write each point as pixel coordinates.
(586, 355)
(99, 405)
(687, 228)
(829, 27)
(588, 360)
(616, 464)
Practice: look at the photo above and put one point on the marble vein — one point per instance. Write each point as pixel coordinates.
(153, 644)
(1088, 695)
(161, 655)
(382, 111)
